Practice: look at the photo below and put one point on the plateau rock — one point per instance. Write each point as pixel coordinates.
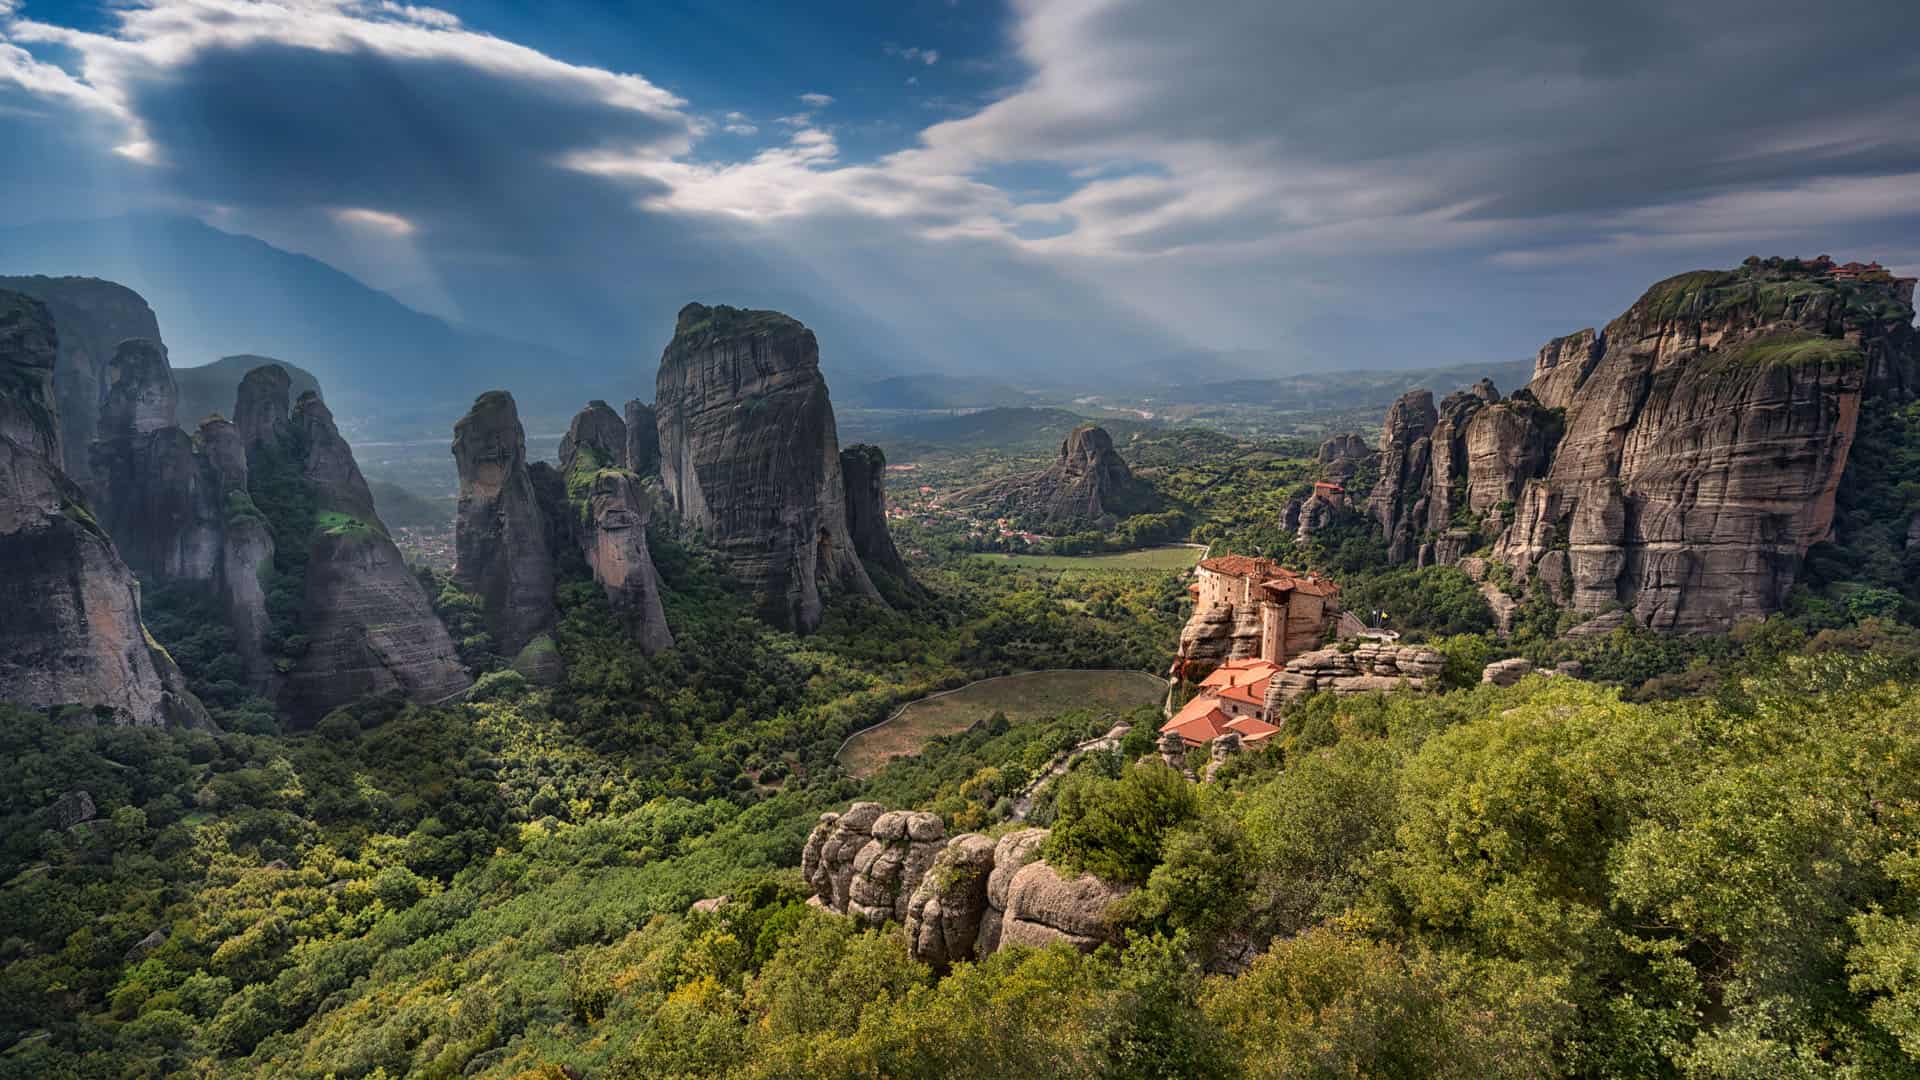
(500, 535)
(750, 458)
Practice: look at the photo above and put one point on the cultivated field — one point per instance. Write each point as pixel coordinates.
(1157, 560)
(1028, 696)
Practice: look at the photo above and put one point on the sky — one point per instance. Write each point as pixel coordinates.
(1064, 186)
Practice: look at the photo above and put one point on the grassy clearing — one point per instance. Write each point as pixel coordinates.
(1156, 560)
(1029, 696)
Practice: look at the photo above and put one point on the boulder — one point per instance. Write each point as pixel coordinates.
(827, 861)
(945, 913)
(71, 809)
(1011, 853)
(1507, 672)
(1043, 907)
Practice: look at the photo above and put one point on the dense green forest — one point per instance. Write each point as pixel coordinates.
(1700, 860)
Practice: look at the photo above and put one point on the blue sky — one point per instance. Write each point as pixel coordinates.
(1031, 186)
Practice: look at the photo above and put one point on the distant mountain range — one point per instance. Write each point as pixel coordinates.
(218, 293)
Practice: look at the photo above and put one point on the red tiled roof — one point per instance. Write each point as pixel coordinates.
(1235, 672)
(1251, 693)
(1198, 722)
(1251, 729)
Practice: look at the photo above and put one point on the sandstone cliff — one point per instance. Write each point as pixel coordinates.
(92, 318)
(643, 439)
(500, 536)
(750, 459)
(153, 490)
(1677, 464)
(72, 633)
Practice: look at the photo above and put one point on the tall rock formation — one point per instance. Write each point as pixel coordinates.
(261, 407)
(1089, 486)
(864, 467)
(93, 317)
(152, 488)
(1677, 464)
(369, 626)
(500, 536)
(606, 510)
(72, 633)
(750, 458)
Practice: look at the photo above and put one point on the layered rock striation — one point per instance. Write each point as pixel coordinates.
(750, 457)
(1676, 465)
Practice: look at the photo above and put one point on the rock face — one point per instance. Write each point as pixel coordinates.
(891, 866)
(1045, 906)
(864, 467)
(643, 439)
(750, 458)
(155, 492)
(500, 535)
(370, 627)
(1507, 672)
(1676, 464)
(945, 913)
(72, 633)
(1088, 486)
(826, 863)
(93, 317)
(28, 354)
(260, 410)
(1372, 667)
(595, 430)
(614, 540)
(1011, 854)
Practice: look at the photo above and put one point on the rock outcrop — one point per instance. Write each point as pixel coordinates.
(1676, 465)
(750, 458)
(92, 318)
(945, 913)
(864, 468)
(891, 866)
(72, 633)
(1507, 672)
(1371, 667)
(500, 536)
(1089, 486)
(959, 899)
(1044, 906)
(369, 626)
(596, 431)
(260, 409)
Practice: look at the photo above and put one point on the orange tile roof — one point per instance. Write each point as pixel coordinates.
(1197, 722)
(1251, 729)
(1235, 672)
(1251, 693)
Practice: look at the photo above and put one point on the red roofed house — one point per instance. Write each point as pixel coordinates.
(1205, 719)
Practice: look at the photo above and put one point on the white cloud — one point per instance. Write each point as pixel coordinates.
(740, 129)
(361, 217)
(817, 101)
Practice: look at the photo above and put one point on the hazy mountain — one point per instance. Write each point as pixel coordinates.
(218, 293)
(212, 388)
